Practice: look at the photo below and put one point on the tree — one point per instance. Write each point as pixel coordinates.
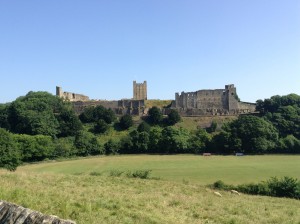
(39, 113)
(10, 157)
(93, 114)
(174, 140)
(112, 147)
(140, 141)
(4, 117)
(101, 127)
(126, 121)
(155, 116)
(87, 144)
(249, 134)
(143, 127)
(212, 128)
(199, 141)
(173, 117)
(69, 123)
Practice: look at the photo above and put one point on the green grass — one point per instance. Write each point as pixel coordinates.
(191, 168)
(98, 190)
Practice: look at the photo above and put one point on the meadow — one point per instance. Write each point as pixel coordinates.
(88, 191)
(192, 168)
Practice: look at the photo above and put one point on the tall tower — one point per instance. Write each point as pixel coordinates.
(140, 91)
(59, 91)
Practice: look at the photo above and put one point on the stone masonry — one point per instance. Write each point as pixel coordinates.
(211, 102)
(140, 91)
(73, 97)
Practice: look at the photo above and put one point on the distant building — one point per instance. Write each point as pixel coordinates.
(73, 97)
(211, 102)
(140, 91)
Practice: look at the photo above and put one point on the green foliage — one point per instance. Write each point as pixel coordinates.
(173, 117)
(87, 144)
(126, 121)
(283, 112)
(69, 123)
(199, 141)
(115, 173)
(41, 113)
(285, 187)
(35, 148)
(4, 117)
(112, 147)
(64, 147)
(144, 127)
(142, 174)
(213, 127)
(101, 127)
(140, 141)
(155, 116)
(93, 114)
(289, 144)
(247, 134)
(174, 140)
(10, 157)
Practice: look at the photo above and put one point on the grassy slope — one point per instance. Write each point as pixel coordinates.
(104, 199)
(196, 169)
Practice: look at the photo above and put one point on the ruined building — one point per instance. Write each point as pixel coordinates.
(140, 91)
(120, 107)
(211, 102)
(73, 97)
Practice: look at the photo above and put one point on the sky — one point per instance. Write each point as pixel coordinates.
(99, 47)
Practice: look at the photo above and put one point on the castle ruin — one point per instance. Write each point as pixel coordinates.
(73, 97)
(140, 91)
(211, 102)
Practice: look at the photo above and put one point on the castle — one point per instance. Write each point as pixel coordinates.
(211, 102)
(198, 103)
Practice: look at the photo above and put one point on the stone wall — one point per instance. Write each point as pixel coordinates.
(14, 214)
(211, 102)
(120, 107)
(70, 96)
(139, 91)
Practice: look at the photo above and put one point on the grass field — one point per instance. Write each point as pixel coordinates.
(196, 169)
(84, 191)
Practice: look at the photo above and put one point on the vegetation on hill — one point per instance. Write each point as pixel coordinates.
(41, 126)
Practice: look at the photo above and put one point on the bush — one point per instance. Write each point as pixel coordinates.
(285, 187)
(142, 174)
(115, 173)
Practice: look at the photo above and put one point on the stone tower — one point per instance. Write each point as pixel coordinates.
(140, 91)
(59, 91)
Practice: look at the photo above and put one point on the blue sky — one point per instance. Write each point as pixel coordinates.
(98, 47)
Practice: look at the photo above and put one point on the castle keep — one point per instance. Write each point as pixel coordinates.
(211, 102)
(139, 91)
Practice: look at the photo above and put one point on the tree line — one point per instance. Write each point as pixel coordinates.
(41, 126)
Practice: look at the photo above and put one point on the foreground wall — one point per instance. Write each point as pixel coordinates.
(11, 213)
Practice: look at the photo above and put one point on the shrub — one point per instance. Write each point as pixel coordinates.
(142, 174)
(115, 173)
